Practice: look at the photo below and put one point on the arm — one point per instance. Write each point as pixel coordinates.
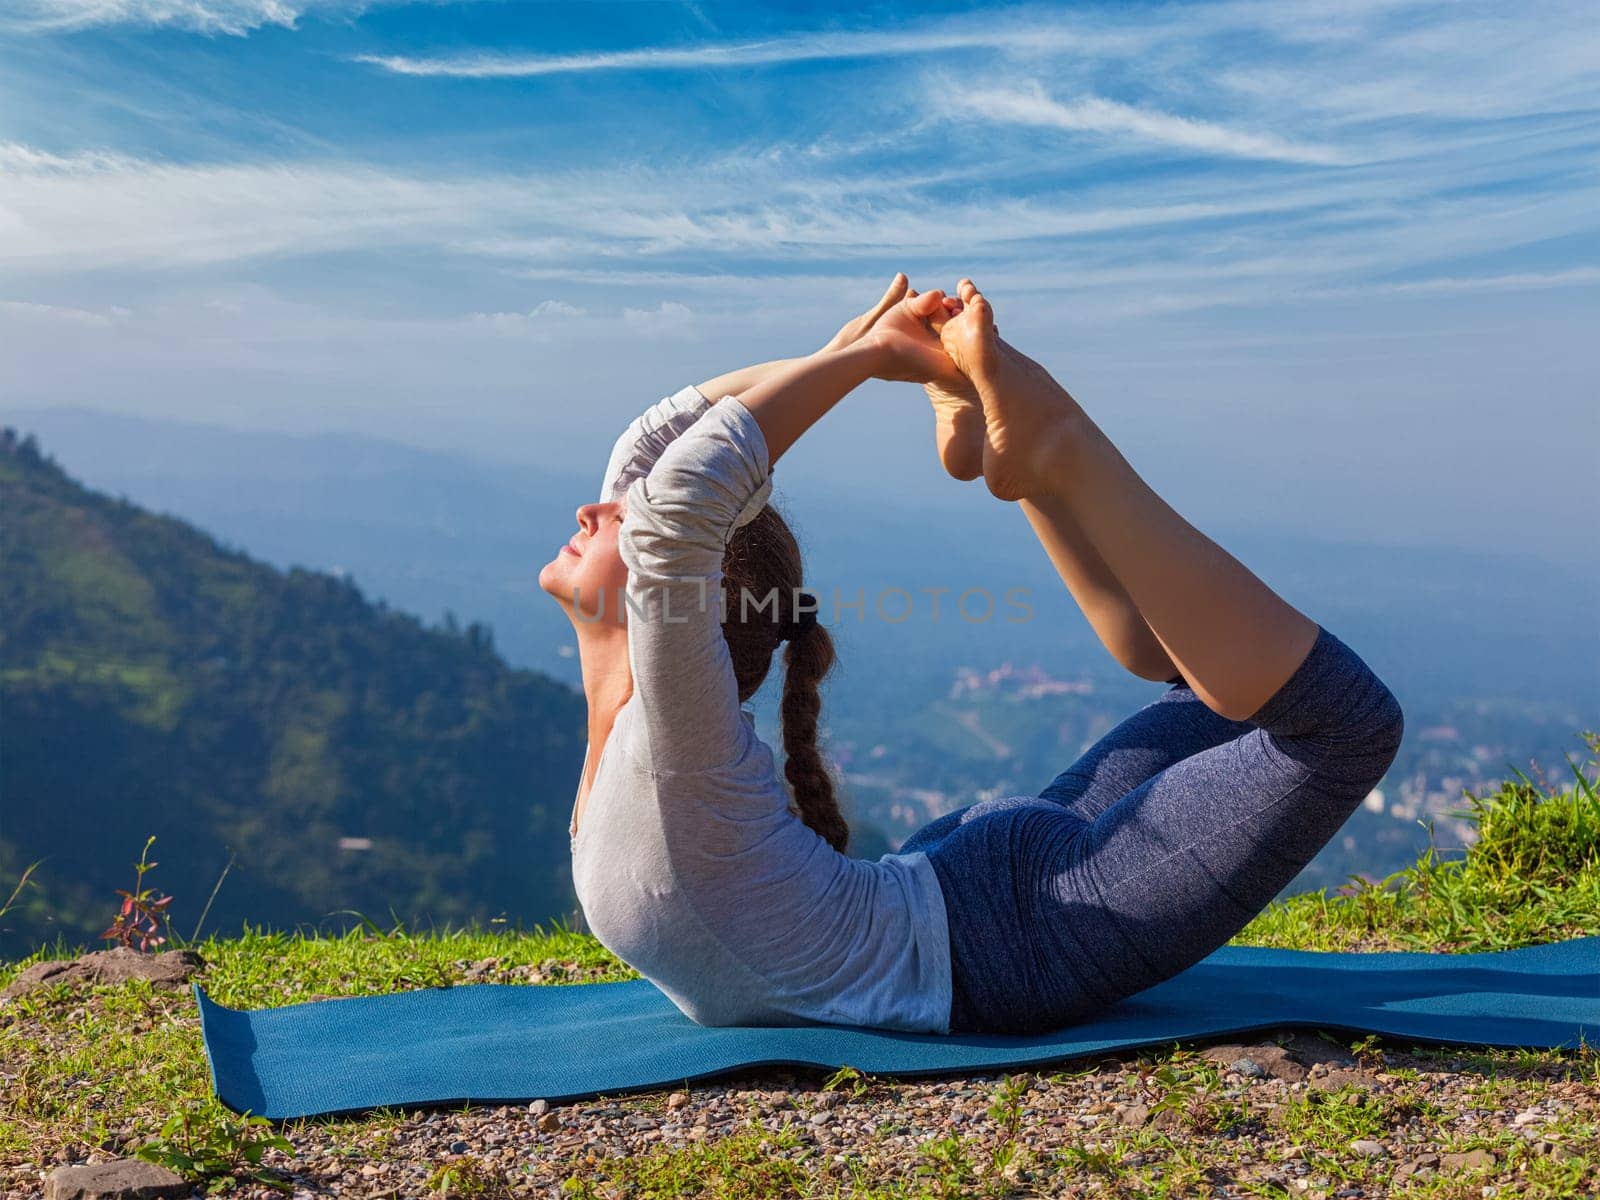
(899, 344)
(736, 383)
(791, 400)
(636, 451)
(675, 529)
(646, 436)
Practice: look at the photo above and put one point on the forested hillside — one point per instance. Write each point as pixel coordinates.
(347, 757)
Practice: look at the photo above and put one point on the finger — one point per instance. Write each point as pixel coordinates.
(949, 308)
(897, 289)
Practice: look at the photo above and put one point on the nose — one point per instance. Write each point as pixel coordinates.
(588, 517)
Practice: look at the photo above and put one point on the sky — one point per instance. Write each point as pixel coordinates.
(1329, 266)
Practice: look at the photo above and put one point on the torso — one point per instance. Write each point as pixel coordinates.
(585, 783)
(591, 767)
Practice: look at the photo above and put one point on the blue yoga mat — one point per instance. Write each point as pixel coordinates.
(501, 1043)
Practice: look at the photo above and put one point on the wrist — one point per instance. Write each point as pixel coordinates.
(874, 352)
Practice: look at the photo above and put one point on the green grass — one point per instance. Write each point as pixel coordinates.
(90, 1064)
(1532, 876)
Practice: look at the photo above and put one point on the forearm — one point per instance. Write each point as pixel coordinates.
(736, 383)
(1111, 611)
(790, 400)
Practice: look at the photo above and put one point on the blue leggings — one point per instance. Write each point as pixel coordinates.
(1156, 847)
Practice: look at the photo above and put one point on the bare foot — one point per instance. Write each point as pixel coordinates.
(1025, 411)
(957, 410)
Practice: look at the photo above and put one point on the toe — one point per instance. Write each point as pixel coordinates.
(981, 310)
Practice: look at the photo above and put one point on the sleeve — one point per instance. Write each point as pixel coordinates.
(646, 436)
(711, 479)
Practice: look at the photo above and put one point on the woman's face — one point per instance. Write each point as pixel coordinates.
(587, 575)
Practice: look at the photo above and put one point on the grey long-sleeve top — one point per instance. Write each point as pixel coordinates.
(688, 861)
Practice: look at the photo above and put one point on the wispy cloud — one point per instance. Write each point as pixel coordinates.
(1032, 105)
(1028, 39)
(667, 318)
(66, 313)
(236, 17)
(542, 319)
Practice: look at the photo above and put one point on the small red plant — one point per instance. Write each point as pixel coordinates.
(144, 910)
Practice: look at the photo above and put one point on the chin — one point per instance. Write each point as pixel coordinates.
(550, 577)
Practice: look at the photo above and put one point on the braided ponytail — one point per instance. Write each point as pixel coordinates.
(762, 559)
(807, 659)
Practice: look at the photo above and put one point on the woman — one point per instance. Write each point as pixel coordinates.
(1015, 915)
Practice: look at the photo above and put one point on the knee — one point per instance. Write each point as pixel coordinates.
(1387, 725)
(1352, 733)
(1365, 741)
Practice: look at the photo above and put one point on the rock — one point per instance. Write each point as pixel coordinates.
(549, 1122)
(458, 1147)
(1134, 1115)
(1527, 1117)
(123, 1179)
(677, 1100)
(1333, 1078)
(829, 1099)
(1368, 1148)
(1312, 1048)
(1255, 1062)
(170, 968)
(1472, 1160)
(539, 1107)
(640, 1121)
(1167, 1118)
(1410, 1166)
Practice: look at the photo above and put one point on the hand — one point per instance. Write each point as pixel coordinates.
(906, 340)
(856, 327)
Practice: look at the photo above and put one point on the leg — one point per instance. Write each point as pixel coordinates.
(1053, 917)
(1111, 612)
(1171, 728)
(1233, 638)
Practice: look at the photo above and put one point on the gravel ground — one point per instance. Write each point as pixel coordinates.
(1250, 1130)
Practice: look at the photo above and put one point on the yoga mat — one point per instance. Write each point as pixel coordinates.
(502, 1043)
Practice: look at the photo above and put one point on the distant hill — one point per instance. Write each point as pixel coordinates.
(154, 681)
(1491, 652)
(431, 531)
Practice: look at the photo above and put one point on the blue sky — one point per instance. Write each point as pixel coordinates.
(1332, 266)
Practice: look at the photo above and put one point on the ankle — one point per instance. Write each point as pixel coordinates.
(1055, 453)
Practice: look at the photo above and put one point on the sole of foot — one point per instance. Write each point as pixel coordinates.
(1023, 408)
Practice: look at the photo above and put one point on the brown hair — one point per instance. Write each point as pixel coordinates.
(763, 560)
